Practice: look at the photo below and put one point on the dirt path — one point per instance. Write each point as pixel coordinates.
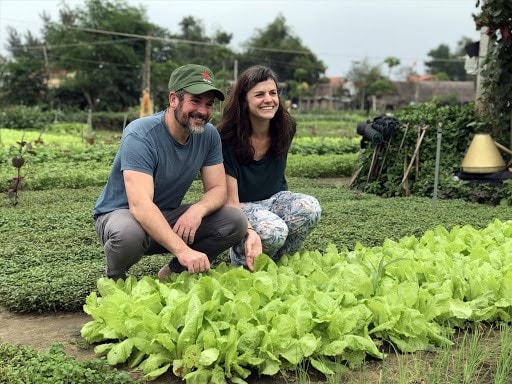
(39, 331)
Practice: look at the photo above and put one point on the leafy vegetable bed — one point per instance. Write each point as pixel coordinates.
(332, 309)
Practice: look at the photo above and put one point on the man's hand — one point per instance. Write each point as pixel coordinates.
(194, 261)
(187, 224)
(253, 248)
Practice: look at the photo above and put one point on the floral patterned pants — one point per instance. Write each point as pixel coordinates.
(282, 222)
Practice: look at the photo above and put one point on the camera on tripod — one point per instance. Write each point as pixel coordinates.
(381, 129)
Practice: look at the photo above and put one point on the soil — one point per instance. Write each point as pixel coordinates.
(40, 331)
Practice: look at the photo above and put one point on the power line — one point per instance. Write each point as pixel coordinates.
(174, 40)
(134, 36)
(36, 47)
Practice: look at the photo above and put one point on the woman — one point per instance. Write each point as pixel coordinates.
(256, 133)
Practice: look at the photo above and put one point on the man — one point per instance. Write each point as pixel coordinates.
(140, 210)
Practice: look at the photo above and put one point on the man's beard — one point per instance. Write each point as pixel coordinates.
(184, 120)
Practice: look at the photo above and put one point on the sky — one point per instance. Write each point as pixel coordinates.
(339, 32)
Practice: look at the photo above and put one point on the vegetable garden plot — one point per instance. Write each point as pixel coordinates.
(325, 308)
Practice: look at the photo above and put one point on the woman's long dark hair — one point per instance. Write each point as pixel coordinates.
(235, 127)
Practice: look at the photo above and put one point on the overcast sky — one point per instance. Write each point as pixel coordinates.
(338, 32)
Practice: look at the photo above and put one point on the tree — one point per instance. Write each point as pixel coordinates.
(94, 43)
(496, 17)
(363, 75)
(381, 87)
(276, 47)
(391, 62)
(194, 46)
(27, 69)
(451, 64)
(24, 79)
(24, 82)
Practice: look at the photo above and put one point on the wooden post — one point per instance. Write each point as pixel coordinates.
(482, 54)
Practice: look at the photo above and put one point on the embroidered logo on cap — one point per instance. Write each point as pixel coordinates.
(206, 77)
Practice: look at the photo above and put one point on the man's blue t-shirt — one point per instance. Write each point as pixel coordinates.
(148, 147)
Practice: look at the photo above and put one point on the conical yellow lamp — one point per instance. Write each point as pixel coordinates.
(482, 156)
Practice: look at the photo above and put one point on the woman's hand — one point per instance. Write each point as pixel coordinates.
(253, 248)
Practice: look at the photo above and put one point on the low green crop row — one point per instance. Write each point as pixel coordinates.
(25, 365)
(91, 168)
(324, 145)
(56, 145)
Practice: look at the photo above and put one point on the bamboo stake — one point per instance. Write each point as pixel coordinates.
(504, 149)
(354, 176)
(372, 164)
(424, 128)
(417, 162)
(405, 185)
(384, 157)
(403, 138)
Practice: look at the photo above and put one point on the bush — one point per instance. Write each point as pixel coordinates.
(383, 167)
(324, 145)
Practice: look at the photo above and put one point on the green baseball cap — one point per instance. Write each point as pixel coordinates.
(194, 79)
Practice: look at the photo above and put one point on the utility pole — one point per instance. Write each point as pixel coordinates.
(235, 70)
(146, 75)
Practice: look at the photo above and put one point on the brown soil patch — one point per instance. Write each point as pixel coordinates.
(40, 331)
(336, 181)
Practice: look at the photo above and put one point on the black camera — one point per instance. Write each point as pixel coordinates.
(372, 135)
(382, 128)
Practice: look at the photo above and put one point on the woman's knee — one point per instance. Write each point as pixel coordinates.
(311, 208)
(273, 234)
(303, 211)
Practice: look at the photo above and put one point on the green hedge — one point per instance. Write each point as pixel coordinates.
(22, 117)
(382, 167)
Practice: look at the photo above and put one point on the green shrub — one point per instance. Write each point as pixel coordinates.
(382, 168)
(22, 117)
